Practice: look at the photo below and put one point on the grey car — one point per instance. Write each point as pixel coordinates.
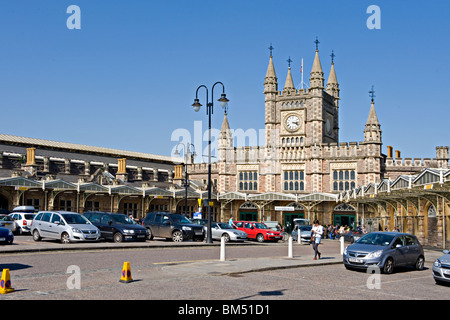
(64, 225)
(172, 226)
(441, 268)
(305, 233)
(221, 229)
(385, 250)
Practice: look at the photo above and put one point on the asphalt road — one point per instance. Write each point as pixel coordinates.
(195, 273)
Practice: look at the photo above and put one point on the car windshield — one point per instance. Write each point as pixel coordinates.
(121, 219)
(260, 226)
(225, 226)
(178, 218)
(75, 218)
(305, 228)
(376, 239)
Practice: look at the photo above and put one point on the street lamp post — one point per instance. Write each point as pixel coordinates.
(209, 110)
(187, 153)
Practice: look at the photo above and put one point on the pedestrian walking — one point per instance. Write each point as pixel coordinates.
(231, 222)
(330, 231)
(317, 231)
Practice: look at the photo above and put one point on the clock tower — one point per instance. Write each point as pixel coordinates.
(304, 117)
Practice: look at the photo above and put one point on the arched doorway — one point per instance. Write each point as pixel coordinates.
(289, 216)
(344, 215)
(431, 234)
(248, 211)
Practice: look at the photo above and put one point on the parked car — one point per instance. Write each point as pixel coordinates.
(172, 226)
(64, 225)
(221, 229)
(305, 233)
(23, 221)
(27, 209)
(7, 222)
(441, 268)
(274, 225)
(202, 222)
(351, 236)
(6, 236)
(301, 221)
(258, 231)
(116, 226)
(386, 250)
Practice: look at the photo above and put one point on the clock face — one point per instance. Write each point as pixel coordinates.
(293, 122)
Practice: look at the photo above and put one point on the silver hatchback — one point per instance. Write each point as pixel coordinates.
(441, 268)
(64, 225)
(385, 250)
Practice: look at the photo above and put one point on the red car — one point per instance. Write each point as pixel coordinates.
(258, 231)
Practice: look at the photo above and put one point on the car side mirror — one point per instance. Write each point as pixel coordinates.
(166, 222)
(398, 246)
(109, 222)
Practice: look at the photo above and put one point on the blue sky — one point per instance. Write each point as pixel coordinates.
(127, 79)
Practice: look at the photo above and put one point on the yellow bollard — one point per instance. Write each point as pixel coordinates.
(5, 282)
(126, 273)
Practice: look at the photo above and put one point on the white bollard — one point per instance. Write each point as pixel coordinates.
(222, 249)
(341, 239)
(299, 238)
(290, 254)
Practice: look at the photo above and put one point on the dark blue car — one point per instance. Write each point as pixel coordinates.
(6, 236)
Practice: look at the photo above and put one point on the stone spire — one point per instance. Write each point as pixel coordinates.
(332, 83)
(372, 132)
(225, 124)
(270, 83)
(225, 136)
(289, 85)
(316, 80)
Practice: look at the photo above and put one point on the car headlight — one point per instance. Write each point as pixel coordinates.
(128, 231)
(76, 230)
(270, 233)
(375, 254)
(186, 228)
(437, 263)
(10, 233)
(345, 250)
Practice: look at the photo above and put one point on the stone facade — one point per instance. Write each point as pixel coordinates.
(302, 154)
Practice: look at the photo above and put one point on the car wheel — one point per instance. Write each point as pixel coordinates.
(260, 238)
(388, 267)
(36, 236)
(177, 236)
(420, 263)
(117, 237)
(65, 238)
(226, 236)
(150, 234)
